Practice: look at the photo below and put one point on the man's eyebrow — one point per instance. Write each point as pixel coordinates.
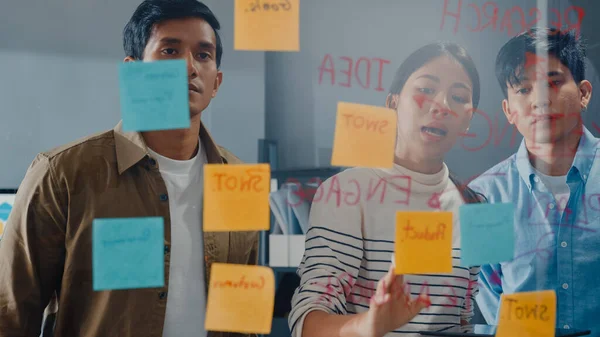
(206, 45)
(555, 73)
(431, 77)
(170, 40)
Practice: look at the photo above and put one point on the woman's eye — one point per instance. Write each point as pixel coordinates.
(427, 91)
(169, 51)
(460, 99)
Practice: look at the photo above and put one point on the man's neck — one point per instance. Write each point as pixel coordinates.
(555, 158)
(177, 144)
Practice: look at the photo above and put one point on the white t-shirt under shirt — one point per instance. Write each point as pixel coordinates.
(558, 187)
(186, 301)
(351, 240)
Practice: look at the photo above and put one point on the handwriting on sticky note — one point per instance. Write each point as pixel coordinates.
(364, 136)
(127, 253)
(154, 95)
(365, 123)
(269, 5)
(423, 242)
(236, 197)
(248, 181)
(527, 314)
(487, 233)
(240, 299)
(267, 25)
(431, 232)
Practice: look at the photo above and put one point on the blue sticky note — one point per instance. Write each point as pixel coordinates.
(154, 95)
(487, 233)
(128, 253)
(5, 209)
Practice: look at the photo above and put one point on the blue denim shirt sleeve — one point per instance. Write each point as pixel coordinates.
(490, 289)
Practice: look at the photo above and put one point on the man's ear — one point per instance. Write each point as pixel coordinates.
(217, 84)
(510, 116)
(391, 101)
(585, 89)
(129, 59)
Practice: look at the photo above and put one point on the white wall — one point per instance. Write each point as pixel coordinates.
(58, 79)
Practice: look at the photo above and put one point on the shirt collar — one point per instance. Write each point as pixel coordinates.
(131, 147)
(580, 169)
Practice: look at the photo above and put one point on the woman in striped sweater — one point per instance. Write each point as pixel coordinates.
(348, 287)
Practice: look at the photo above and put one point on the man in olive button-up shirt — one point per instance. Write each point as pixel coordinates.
(46, 250)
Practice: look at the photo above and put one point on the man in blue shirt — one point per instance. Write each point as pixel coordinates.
(553, 180)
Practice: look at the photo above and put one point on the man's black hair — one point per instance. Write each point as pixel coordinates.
(150, 12)
(429, 52)
(566, 46)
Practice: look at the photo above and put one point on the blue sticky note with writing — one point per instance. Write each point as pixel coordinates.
(154, 95)
(128, 253)
(486, 233)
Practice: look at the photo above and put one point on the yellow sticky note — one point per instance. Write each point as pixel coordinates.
(267, 25)
(364, 136)
(423, 242)
(240, 299)
(527, 314)
(1, 227)
(236, 197)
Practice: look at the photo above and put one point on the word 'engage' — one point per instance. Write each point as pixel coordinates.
(361, 69)
(363, 293)
(490, 10)
(251, 182)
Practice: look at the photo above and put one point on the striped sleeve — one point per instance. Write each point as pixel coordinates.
(332, 257)
(467, 310)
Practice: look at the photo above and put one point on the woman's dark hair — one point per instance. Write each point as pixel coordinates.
(469, 196)
(150, 12)
(429, 52)
(564, 45)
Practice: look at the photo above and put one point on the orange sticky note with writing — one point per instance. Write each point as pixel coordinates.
(527, 314)
(267, 25)
(240, 299)
(236, 197)
(423, 243)
(364, 136)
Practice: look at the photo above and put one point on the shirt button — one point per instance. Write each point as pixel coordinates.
(164, 197)
(566, 326)
(162, 295)
(563, 244)
(167, 249)
(565, 286)
(152, 162)
(551, 206)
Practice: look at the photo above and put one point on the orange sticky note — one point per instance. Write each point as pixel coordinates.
(267, 25)
(236, 197)
(1, 227)
(364, 136)
(423, 242)
(240, 299)
(527, 314)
